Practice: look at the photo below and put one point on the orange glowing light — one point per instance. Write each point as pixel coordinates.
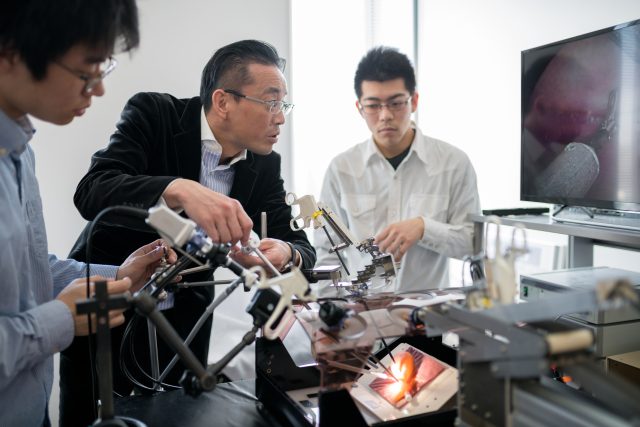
(404, 371)
(411, 371)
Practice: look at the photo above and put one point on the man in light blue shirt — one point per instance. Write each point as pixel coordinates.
(53, 57)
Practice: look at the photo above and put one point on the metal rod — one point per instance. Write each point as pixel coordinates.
(266, 261)
(356, 370)
(344, 265)
(206, 283)
(153, 354)
(366, 361)
(196, 269)
(263, 225)
(384, 367)
(201, 321)
(375, 325)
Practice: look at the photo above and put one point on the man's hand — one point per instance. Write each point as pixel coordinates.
(398, 237)
(142, 263)
(276, 251)
(77, 290)
(221, 217)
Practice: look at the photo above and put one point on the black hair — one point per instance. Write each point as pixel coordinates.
(41, 31)
(383, 63)
(228, 67)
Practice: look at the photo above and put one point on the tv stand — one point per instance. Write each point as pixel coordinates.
(582, 238)
(560, 208)
(595, 217)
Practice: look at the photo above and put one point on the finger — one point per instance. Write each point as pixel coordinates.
(234, 228)
(116, 321)
(119, 286)
(394, 244)
(149, 247)
(92, 281)
(382, 234)
(223, 232)
(246, 261)
(172, 256)
(154, 255)
(385, 244)
(245, 224)
(115, 313)
(268, 243)
(212, 232)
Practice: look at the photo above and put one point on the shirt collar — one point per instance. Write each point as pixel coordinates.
(372, 149)
(14, 134)
(209, 140)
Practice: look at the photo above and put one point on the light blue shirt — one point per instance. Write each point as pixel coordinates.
(33, 325)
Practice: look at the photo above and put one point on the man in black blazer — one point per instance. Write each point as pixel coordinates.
(209, 156)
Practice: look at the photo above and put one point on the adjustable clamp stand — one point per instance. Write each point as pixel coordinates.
(197, 379)
(261, 307)
(101, 306)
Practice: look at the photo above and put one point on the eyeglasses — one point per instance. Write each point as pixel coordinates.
(274, 106)
(91, 81)
(393, 106)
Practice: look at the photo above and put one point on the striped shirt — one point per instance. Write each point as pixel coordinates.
(33, 325)
(213, 175)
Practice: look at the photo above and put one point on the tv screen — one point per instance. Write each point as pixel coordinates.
(581, 120)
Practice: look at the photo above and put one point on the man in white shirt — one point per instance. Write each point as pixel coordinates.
(410, 191)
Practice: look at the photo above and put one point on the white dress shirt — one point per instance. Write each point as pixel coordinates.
(435, 181)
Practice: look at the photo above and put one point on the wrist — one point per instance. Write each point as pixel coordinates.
(173, 193)
(293, 257)
(421, 227)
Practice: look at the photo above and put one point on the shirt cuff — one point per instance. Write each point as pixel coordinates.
(434, 234)
(106, 271)
(56, 325)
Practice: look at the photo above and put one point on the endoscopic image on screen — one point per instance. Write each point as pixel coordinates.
(581, 119)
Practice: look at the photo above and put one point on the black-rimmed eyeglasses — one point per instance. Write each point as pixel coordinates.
(274, 106)
(91, 81)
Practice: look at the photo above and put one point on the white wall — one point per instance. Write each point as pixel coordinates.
(177, 39)
(469, 74)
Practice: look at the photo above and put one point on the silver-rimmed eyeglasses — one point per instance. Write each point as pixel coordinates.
(92, 80)
(394, 106)
(274, 106)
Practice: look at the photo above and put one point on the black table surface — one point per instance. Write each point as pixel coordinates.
(229, 404)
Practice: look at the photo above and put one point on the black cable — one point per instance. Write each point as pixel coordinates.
(166, 278)
(332, 299)
(143, 372)
(127, 342)
(123, 367)
(141, 213)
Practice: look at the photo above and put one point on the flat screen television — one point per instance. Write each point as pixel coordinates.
(581, 120)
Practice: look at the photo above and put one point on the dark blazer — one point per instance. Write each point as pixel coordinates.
(156, 141)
